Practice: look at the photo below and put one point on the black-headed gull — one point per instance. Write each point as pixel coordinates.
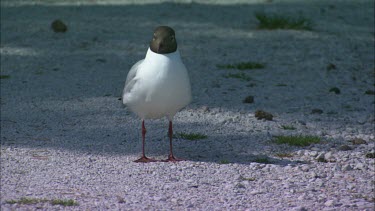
(158, 85)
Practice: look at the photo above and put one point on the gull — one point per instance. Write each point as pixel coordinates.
(158, 86)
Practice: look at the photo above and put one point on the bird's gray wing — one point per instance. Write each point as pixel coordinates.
(130, 79)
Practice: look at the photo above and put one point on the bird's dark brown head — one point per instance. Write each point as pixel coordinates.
(163, 40)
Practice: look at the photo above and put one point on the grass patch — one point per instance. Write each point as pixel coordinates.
(241, 76)
(263, 160)
(28, 201)
(25, 200)
(287, 127)
(4, 76)
(69, 202)
(247, 178)
(275, 21)
(281, 85)
(191, 136)
(224, 162)
(297, 140)
(242, 66)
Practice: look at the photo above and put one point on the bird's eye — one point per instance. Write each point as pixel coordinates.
(172, 38)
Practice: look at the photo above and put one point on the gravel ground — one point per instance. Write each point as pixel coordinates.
(65, 134)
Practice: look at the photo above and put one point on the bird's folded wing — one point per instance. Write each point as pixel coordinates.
(130, 79)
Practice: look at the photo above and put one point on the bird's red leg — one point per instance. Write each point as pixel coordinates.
(144, 159)
(170, 134)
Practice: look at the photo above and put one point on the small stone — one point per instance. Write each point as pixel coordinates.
(259, 114)
(328, 156)
(337, 167)
(346, 168)
(248, 99)
(335, 90)
(358, 141)
(301, 122)
(305, 168)
(300, 208)
(331, 66)
(329, 203)
(255, 192)
(313, 153)
(59, 26)
(359, 166)
(345, 148)
(101, 60)
(317, 111)
(313, 175)
(205, 109)
(369, 92)
(370, 155)
(321, 158)
(157, 198)
(240, 185)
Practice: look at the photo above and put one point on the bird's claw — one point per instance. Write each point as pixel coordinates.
(171, 158)
(145, 159)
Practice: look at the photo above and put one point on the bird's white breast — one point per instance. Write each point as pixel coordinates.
(161, 87)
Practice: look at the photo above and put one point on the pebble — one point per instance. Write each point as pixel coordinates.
(358, 141)
(328, 156)
(359, 166)
(255, 192)
(346, 167)
(313, 153)
(329, 203)
(59, 26)
(345, 148)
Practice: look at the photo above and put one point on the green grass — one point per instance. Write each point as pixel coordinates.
(281, 84)
(242, 66)
(69, 202)
(276, 21)
(297, 140)
(28, 201)
(263, 160)
(247, 178)
(191, 136)
(224, 162)
(287, 127)
(25, 200)
(241, 76)
(4, 76)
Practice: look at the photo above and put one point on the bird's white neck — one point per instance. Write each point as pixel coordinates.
(150, 56)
